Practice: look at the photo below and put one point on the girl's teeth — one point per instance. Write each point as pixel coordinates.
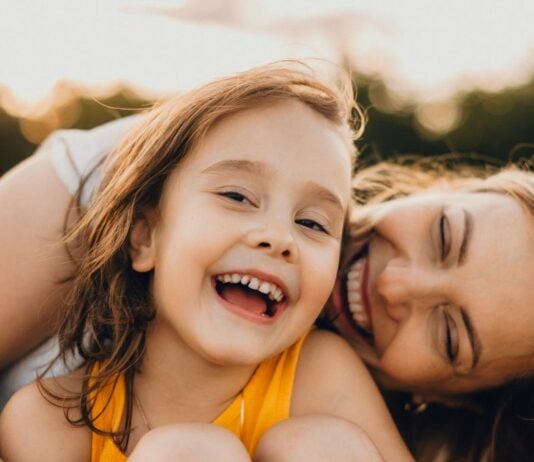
(353, 284)
(236, 278)
(271, 290)
(254, 284)
(265, 287)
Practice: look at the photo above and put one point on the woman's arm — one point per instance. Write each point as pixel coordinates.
(34, 200)
(33, 206)
(332, 380)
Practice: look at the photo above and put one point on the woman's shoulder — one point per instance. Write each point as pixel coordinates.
(33, 425)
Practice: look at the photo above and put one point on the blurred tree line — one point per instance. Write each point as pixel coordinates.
(497, 126)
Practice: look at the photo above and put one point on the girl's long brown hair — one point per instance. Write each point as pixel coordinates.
(110, 304)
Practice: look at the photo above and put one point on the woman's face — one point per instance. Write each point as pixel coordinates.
(441, 298)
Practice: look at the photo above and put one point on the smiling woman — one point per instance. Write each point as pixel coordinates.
(433, 275)
(435, 294)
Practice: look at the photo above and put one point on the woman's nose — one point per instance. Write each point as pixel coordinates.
(402, 286)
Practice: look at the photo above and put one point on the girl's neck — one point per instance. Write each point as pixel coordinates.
(177, 384)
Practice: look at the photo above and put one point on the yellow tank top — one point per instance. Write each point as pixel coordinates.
(267, 399)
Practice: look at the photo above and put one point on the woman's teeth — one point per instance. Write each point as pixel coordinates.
(354, 298)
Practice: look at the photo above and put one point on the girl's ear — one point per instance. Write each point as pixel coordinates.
(142, 243)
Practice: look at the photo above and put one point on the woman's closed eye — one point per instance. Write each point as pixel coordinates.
(451, 338)
(444, 236)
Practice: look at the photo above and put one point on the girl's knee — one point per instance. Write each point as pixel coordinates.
(314, 439)
(191, 442)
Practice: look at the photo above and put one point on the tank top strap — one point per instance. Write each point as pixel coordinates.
(107, 416)
(268, 394)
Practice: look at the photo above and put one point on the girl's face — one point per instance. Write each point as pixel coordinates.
(440, 299)
(246, 246)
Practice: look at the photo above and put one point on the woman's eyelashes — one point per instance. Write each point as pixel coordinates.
(444, 236)
(452, 344)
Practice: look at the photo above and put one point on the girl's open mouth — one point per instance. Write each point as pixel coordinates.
(250, 296)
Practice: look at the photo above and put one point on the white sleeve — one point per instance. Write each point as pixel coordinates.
(78, 154)
(26, 369)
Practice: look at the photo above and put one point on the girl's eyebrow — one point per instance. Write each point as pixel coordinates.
(261, 169)
(238, 166)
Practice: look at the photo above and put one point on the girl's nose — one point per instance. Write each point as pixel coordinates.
(275, 239)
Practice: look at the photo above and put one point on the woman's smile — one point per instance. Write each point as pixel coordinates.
(350, 299)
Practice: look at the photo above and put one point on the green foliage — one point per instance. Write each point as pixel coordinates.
(497, 126)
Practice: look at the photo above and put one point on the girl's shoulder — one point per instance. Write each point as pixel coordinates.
(32, 427)
(331, 379)
(329, 363)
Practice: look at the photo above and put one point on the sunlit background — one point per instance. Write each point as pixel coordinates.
(434, 76)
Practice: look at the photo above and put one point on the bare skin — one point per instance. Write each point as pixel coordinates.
(319, 379)
(33, 257)
(191, 442)
(311, 438)
(316, 438)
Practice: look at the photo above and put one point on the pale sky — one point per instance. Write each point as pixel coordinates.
(424, 48)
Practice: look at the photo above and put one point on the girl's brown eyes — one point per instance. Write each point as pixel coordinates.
(236, 196)
(444, 236)
(312, 224)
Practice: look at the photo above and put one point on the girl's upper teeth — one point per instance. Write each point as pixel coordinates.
(268, 288)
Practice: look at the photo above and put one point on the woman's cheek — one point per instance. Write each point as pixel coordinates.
(407, 364)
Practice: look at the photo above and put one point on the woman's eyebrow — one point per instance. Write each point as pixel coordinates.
(474, 339)
(466, 238)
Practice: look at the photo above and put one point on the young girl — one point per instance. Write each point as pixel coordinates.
(209, 250)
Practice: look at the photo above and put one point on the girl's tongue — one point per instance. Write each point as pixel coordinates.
(245, 298)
